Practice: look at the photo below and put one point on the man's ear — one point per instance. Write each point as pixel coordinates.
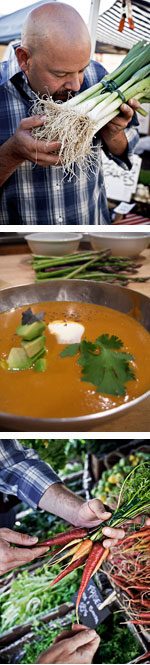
(23, 57)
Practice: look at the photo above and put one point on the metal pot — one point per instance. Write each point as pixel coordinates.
(116, 297)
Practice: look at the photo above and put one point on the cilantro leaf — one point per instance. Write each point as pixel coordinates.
(103, 364)
(70, 350)
(112, 342)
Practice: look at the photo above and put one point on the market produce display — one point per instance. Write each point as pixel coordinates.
(117, 645)
(37, 611)
(98, 266)
(109, 485)
(30, 597)
(74, 123)
(134, 500)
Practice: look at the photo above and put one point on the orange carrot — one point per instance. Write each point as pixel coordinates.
(67, 570)
(83, 549)
(144, 531)
(93, 562)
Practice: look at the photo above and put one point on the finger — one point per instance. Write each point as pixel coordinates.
(98, 510)
(91, 649)
(80, 639)
(46, 147)
(17, 537)
(148, 521)
(17, 555)
(113, 532)
(127, 111)
(69, 633)
(33, 121)
(107, 543)
(134, 103)
(49, 161)
(64, 635)
(78, 627)
(119, 123)
(51, 146)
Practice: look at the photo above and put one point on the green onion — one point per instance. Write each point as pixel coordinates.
(75, 122)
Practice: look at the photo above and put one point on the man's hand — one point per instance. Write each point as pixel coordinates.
(113, 133)
(24, 146)
(75, 646)
(11, 557)
(91, 514)
(122, 120)
(58, 499)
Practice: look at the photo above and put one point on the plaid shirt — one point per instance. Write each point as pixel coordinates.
(41, 195)
(23, 474)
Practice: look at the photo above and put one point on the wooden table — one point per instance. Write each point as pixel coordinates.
(16, 270)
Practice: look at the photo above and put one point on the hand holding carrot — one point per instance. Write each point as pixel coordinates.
(91, 514)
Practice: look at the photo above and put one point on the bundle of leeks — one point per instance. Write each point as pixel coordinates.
(74, 123)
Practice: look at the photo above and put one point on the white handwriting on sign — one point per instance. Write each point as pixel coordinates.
(93, 594)
(95, 617)
(83, 609)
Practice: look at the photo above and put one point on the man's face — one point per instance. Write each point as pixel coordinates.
(59, 73)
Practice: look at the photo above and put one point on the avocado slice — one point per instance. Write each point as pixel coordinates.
(32, 348)
(31, 331)
(18, 359)
(40, 365)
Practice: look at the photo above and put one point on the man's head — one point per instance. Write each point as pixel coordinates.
(55, 50)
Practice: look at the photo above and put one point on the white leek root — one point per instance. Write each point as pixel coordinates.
(74, 132)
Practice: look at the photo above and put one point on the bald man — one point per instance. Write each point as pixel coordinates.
(53, 58)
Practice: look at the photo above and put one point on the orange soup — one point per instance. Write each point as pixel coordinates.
(59, 391)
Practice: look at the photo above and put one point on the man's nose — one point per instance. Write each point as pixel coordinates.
(74, 82)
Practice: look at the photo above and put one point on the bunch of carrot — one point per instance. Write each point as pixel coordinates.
(78, 546)
(80, 549)
(130, 571)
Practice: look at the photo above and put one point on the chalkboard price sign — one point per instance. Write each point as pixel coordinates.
(89, 613)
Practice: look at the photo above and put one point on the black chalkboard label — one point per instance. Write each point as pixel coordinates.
(89, 613)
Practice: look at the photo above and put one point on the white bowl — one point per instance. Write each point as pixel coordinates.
(53, 244)
(120, 244)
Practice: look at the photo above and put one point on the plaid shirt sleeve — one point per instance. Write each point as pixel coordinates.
(23, 474)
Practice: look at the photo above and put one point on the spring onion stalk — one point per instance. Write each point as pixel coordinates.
(74, 123)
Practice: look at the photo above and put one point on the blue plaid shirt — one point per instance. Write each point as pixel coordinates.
(41, 195)
(23, 474)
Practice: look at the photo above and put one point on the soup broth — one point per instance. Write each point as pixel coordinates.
(59, 392)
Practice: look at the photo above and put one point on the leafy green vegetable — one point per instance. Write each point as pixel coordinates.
(30, 595)
(103, 364)
(70, 350)
(117, 645)
(43, 639)
(108, 487)
(56, 452)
